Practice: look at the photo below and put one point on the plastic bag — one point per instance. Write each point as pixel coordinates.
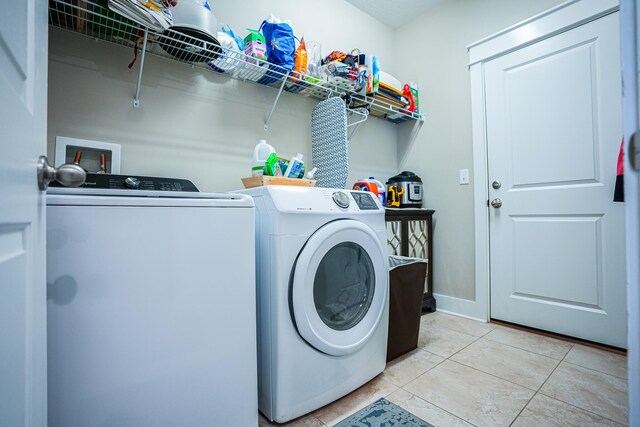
(239, 41)
(281, 44)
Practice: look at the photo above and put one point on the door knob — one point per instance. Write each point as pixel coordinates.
(496, 203)
(69, 175)
(496, 184)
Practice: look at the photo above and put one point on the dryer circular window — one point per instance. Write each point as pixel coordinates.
(339, 287)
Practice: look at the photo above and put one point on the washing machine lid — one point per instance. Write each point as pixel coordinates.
(139, 190)
(339, 287)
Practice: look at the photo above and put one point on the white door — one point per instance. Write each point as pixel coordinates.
(554, 130)
(340, 286)
(23, 118)
(630, 12)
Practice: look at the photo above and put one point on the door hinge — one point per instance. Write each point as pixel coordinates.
(634, 151)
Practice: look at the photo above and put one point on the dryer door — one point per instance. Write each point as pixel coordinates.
(339, 287)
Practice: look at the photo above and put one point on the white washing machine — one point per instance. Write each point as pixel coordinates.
(322, 289)
(151, 309)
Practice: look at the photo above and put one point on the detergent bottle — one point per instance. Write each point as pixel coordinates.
(374, 186)
(295, 166)
(366, 185)
(260, 155)
(382, 192)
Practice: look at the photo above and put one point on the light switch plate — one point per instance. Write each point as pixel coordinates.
(464, 176)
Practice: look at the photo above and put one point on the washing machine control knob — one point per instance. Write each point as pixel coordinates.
(341, 199)
(132, 183)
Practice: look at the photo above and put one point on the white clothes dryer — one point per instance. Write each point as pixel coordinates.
(322, 295)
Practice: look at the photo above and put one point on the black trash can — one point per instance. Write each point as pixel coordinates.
(406, 286)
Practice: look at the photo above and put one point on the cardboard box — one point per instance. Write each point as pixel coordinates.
(255, 46)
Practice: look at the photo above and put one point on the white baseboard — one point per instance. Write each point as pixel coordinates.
(461, 307)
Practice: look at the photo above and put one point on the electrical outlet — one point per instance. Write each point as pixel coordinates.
(464, 176)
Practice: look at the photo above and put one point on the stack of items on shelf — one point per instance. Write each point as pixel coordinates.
(268, 55)
(154, 14)
(268, 168)
(391, 91)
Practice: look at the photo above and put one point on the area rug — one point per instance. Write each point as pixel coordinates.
(383, 413)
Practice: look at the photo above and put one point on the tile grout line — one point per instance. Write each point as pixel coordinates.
(474, 341)
(538, 390)
(554, 369)
(581, 409)
(424, 373)
(567, 403)
(596, 370)
(529, 351)
(457, 416)
(495, 376)
(442, 409)
(464, 333)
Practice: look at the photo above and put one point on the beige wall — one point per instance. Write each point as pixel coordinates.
(432, 49)
(200, 125)
(203, 126)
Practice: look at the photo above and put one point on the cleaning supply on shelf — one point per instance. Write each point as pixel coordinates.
(409, 96)
(300, 61)
(382, 191)
(295, 165)
(284, 164)
(314, 58)
(261, 153)
(366, 185)
(375, 72)
(255, 46)
(312, 173)
(272, 166)
(414, 91)
(365, 62)
(373, 186)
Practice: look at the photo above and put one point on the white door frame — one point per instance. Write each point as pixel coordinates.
(629, 39)
(544, 25)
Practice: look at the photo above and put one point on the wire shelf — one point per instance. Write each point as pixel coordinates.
(94, 19)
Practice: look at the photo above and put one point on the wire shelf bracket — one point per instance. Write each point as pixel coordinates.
(143, 51)
(275, 102)
(359, 111)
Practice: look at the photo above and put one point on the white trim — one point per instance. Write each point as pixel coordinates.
(565, 16)
(546, 24)
(629, 37)
(62, 153)
(460, 307)
(480, 191)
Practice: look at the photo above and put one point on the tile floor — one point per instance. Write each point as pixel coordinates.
(468, 373)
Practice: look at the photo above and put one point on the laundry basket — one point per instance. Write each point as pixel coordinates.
(406, 286)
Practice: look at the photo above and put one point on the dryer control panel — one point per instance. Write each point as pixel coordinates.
(365, 200)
